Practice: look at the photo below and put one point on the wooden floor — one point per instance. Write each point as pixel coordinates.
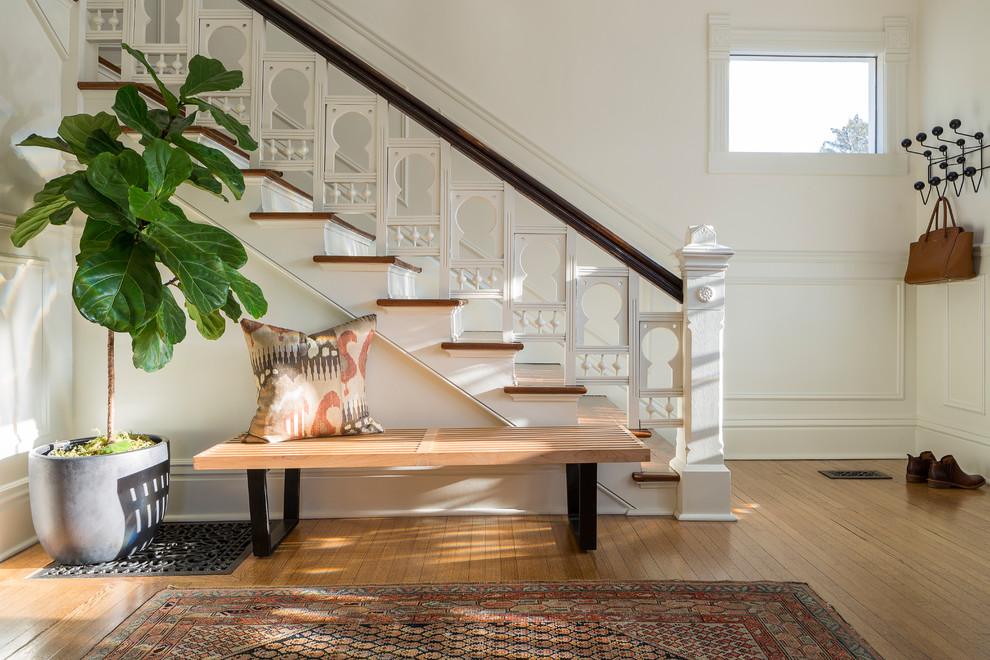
(908, 566)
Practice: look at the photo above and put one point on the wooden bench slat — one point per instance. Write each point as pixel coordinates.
(434, 447)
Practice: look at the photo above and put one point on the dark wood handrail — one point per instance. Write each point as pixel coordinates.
(469, 145)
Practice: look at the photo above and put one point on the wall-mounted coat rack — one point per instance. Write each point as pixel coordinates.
(949, 163)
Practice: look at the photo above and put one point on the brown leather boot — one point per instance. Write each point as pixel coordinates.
(917, 467)
(947, 474)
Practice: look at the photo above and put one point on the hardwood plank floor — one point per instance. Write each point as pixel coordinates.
(905, 564)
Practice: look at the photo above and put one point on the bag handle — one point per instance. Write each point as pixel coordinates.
(946, 214)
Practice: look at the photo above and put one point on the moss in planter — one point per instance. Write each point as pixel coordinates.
(100, 445)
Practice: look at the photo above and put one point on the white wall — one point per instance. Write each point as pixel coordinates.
(607, 103)
(36, 351)
(952, 318)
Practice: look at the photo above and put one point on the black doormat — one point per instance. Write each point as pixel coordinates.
(855, 474)
(179, 548)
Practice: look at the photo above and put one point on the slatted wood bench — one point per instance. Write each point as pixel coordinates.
(579, 448)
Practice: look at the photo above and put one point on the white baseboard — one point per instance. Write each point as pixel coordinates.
(808, 439)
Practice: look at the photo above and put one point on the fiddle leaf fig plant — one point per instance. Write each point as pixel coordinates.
(133, 229)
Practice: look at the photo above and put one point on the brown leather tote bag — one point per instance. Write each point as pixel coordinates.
(941, 254)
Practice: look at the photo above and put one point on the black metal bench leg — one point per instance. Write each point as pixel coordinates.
(265, 534)
(582, 503)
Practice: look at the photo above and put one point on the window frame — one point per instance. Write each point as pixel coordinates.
(890, 47)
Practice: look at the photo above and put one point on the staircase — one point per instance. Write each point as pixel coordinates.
(482, 274)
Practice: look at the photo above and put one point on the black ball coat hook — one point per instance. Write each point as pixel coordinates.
(952, 163)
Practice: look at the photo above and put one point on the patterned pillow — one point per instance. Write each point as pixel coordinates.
(310, 385)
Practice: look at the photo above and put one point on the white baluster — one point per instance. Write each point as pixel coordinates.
(96, 18)
(523, 321)
(352, 193)
(114, 21)
(461, 278)
(397, 237)
(540, 322)
(304, 149)
(240, 108)
(272, 150)
(415, 236)
(476, 279)
(367, 198)
(225, 104)
(336, 194)
(161, 64)
(554, 322)
(429, 236)
(669, 408)
(602, 365)
(585, 364)
(492, 279)
(177, 64)
(651, 409)
(617, 365)
(289, 150)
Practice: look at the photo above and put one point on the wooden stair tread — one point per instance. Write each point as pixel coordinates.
(362, 259)
(277, 177)
(545, 389)
(421, 302)
(655, 477)
(481, 346)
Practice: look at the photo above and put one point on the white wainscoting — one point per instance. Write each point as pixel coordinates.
(15, 518)
(815, 339)
(965, 365)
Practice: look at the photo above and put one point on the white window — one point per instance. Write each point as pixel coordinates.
(807, 102)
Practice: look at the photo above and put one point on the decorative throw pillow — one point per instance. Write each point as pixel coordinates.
(310, 385)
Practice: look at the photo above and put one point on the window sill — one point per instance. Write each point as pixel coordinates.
(737, 162)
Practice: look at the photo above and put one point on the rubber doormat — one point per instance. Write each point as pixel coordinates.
(179, 548)
(855, 474)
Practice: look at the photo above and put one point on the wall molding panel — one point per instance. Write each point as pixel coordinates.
(963, 354)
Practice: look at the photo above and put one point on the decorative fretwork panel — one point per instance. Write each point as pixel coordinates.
(289, 93)
(602, 309)
(660, 354)
(539, 267)
(351, 145)
(477, 226)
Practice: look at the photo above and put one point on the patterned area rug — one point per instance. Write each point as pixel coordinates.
(601, 620)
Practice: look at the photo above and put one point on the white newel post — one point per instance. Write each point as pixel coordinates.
(704, 488)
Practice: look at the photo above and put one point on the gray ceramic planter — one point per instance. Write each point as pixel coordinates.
(91, 509)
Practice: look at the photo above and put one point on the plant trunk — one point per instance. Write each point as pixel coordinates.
(110, 386)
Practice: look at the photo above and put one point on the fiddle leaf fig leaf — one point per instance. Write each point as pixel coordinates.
(95, 204)
(76, 129)
(176, 241)
(98, 235)
(231, 308)
(209, 75)
(171, 103)
(35, 140)
(239, 130)
(201, 178)
(100, 142)
(215, 161)
(55, 210)
(167, 167)
(150, 351)
(104, 176)
(247, 292)
(118, 287)
(132, 109)
(171, 319)
(209, 325)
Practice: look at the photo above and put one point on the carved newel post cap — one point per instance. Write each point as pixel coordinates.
(700, 235)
